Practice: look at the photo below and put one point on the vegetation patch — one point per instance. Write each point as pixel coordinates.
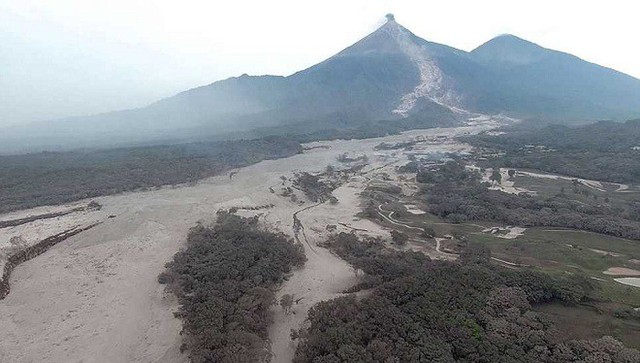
(314, 187)
(606, 151)
(457, 194)
(224, 280)
(436, 311)
(53, 178)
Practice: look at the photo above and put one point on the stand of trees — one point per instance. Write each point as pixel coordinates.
(32, 180)
(316, 189)
(224, 280)
(606, 151)
(458, 194)
(436, 311)
(50, 178)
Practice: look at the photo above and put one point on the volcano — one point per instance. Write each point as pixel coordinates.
(390, 74)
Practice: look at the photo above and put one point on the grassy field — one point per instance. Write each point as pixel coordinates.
(550, 249)
(567, 251)
(556, 252)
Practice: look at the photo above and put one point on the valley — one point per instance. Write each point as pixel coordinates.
(398, 200)
(88, 287)
(87, 290)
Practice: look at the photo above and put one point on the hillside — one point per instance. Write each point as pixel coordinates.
(559, 84)
(389, 75)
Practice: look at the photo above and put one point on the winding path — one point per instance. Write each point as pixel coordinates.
(298, 227)
(438, 240)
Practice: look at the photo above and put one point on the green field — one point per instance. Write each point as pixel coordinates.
(552, 250)
(569, 252)
(556, 252)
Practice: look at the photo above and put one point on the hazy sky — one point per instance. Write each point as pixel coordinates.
(75, 57)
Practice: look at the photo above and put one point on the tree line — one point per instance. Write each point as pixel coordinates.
(606, 151)
(49, 178)
(457, 194)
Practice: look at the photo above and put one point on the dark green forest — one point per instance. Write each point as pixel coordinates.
(50, 178)
(605, 151)
(224, 280)
(458, 194)
(418, 310)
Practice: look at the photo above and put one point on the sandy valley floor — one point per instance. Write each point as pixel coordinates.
(95, 296)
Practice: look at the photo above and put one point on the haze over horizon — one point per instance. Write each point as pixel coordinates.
(78, 58)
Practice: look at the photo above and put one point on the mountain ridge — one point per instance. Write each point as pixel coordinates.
(383, 76)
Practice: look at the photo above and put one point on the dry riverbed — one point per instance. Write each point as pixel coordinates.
(94, 297)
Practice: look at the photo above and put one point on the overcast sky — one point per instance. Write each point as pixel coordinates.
(77, 57)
